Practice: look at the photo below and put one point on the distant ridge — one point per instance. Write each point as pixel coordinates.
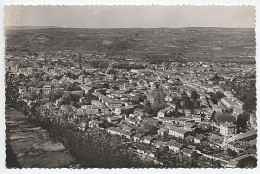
(29, 27)
(47, 27)
(204, 44)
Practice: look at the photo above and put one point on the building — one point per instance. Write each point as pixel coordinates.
(85, 88)
(137, 137)
(227, 129)
(188, 152)
(197, 118)
(46, 90)
(113, 104)
(199, 138)
(175, 146)
(147, 139)
(227, 102)
(178, 132)
(162, 131)
(250, 135)
(163, 112)
(93, 123)
(159, 144)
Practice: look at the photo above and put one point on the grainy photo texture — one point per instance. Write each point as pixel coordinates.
(130, 87)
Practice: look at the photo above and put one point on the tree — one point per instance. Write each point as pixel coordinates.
(147, 108)
(215, 97)
(169, 114)
(250, 162)
(11, 89)
(177, 104)
(186, 102)
(219, 95)
(68, 97)
(159, 101)
(105, 85)
(103, 65)
(55, 95)
(47, 78)
(224, 117)
(231, 153)
(194, 95)
(127, 111)
(196, 104)
(242, 120)
(21, 76)
(32, 95)
(177, 114)
(89, 97)
(250, 102)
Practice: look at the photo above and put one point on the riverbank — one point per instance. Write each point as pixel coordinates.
(30, 146)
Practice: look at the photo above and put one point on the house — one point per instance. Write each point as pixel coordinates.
(178, 132)
(113, 104)
(163, 112)
(215, 140)
(137, 137)
(97, 103)
(188, 152)
(117, 111)
(250, 135)
(93, 123)
(126, 134)
(190, 126)
(227, 129)
(239, 103)
(147, 139)
(46, 90)
(227, 102)
(113, 119)
(90, 109)
(192, 147)
(138, 113)
(150, 121)
(199, 138)
(167, 120)
(189, 138)
(85, 88)
(237, 111)
(162, 131)
(117, 131)
(175, 146)
(181, 121)
(168, 98)
(159, 144)
(132, 120)
(82, 126)
(197, 118)
(127, 128)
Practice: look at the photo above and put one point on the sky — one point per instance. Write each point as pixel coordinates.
(131, 16)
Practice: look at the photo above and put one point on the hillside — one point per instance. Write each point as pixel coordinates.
(193, 43)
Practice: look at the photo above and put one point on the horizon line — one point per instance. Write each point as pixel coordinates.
(128, 27)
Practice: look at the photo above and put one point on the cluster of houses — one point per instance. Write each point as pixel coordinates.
(118, 97)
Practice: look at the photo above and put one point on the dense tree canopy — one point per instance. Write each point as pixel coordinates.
(241, 122)
(224, 117)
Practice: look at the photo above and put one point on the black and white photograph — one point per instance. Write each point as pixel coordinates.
(130, 87)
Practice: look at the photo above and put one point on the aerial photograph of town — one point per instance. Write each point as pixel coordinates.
(102, 93)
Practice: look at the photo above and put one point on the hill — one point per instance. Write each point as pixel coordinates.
(171, 43)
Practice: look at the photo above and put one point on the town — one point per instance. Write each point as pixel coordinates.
(173, 113)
